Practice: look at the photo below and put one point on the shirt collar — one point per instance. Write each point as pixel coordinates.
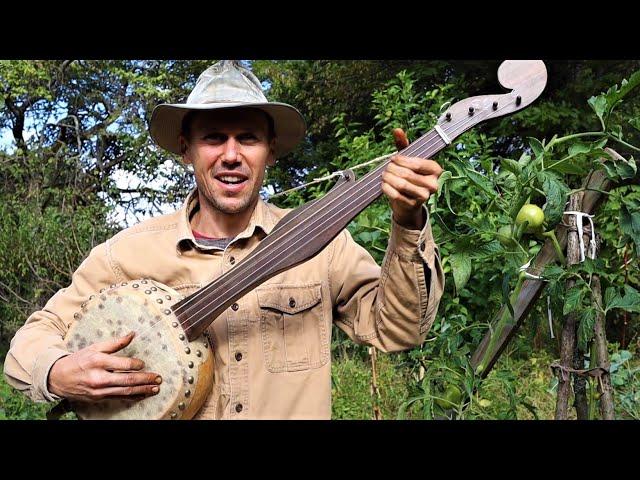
(262, 217)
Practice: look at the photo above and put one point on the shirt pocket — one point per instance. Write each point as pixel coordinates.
(293, 327)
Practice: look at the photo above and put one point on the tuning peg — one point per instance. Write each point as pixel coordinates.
(518, 100)
(495, 106)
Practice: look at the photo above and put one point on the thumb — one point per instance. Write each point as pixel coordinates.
(112, 346)
(400, 138)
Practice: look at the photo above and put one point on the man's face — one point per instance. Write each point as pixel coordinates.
(229, 151)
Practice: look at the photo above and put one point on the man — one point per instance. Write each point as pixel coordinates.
(272, 348)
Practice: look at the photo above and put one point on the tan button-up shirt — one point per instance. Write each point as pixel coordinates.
(272, 355)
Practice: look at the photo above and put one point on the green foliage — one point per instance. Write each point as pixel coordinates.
(630, 221)
(15, 406)
(630, 301)
(625, 378)
(604, 103)
(87, 127)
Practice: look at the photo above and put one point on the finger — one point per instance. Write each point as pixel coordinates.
(398, 198)
(130, 379)
(406, 188)
(130, 398)
(400, 138)
(419, 165)
(113, 362)
(430, 182)
(112, 346)
(129, 393)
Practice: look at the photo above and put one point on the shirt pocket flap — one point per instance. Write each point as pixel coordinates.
(289, 299)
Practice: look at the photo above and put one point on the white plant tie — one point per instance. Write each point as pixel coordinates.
(592, 242)
(549, 316)
(528, 275)
(523, 268)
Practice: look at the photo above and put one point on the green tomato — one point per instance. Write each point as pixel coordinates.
(450, 398)
(504, 236)
(533, 214)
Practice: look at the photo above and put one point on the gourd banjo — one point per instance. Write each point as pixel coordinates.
(169, 328)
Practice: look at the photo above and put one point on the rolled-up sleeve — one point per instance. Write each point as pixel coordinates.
(38, 344)
(390, 307)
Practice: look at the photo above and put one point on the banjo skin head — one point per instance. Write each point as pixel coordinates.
(186, 367)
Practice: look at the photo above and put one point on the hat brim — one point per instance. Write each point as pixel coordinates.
(166, 123)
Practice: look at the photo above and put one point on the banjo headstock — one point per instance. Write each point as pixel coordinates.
(525, 78)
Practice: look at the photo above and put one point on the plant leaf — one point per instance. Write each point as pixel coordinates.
(573, 300)
(629, 302)
(579, 147)
(511, 166)
(598, 104)
(609, 295)
(536, 146)
(461, 267)
(556, 192)
(481, 181)
(446, 175)
(630, 222)
(587, 319)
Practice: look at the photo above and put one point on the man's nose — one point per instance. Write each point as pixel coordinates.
(230, 150)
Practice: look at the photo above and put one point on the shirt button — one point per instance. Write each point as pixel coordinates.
(232, 260)
(235, 307)
(292, 302)
(239, 407)
(238, 356)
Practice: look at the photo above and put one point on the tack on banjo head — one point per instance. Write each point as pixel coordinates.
(170, 329)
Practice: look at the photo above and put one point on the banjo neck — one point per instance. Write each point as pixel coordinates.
(305, 231)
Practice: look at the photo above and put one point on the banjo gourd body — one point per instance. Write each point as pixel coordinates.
(186, 367)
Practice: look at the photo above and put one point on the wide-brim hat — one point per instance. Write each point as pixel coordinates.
(226, 85)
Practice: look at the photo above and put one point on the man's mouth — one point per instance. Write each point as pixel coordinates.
(231, 182)
(230, 179)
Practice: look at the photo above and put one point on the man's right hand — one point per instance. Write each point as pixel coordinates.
(93, 374)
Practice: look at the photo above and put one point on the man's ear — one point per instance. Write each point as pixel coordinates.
(183, 149)
(271, 159)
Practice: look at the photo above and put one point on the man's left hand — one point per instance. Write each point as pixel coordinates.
(408, 182)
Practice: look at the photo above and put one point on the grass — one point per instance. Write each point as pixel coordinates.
(351, 387)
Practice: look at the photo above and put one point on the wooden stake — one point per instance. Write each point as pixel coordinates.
(600, 339)
(568, 338)
(375, 393)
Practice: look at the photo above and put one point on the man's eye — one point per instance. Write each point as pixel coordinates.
(214, 137)
(247, 137)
